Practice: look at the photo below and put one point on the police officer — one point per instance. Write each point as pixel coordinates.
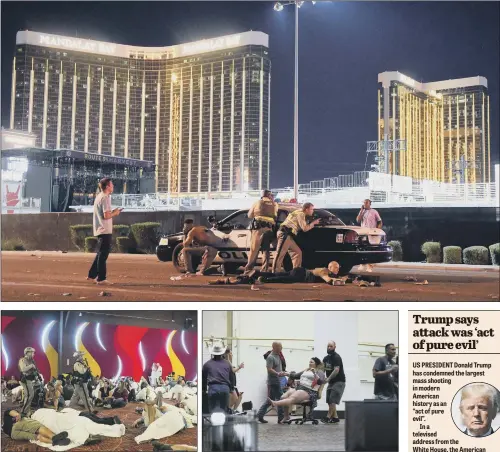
(294, 223)
(264, 213)
(81, 377)
(29, 376)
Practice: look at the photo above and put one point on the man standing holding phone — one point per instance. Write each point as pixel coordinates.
(368, 217)
(103, 230)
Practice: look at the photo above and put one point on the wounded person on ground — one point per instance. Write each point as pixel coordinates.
(297, 275)
(61, 428)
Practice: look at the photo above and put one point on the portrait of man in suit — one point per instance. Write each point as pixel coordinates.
(479, 404)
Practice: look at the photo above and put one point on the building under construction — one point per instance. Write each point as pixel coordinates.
(446, 126)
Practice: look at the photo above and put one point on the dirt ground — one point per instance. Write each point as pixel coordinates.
(47, 276)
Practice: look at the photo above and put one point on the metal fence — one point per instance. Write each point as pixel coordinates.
(344, 191)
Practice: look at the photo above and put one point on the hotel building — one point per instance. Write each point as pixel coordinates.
(199, 111)
(445, 124)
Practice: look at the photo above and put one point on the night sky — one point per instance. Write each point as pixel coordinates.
(342, 48)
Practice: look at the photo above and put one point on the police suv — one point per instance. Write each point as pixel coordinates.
(330, 240)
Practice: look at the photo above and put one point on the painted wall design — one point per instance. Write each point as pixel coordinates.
(21, 332)
(110, 350)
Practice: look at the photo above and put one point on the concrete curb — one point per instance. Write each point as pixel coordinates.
(438, 267)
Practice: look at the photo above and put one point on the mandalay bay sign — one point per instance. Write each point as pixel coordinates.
(82, 45)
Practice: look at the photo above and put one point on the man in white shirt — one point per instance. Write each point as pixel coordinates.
(103, 230)
(368, 217)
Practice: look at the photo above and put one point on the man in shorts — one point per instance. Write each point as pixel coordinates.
(334, 369)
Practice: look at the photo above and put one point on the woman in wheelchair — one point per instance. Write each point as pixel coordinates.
(310, 382)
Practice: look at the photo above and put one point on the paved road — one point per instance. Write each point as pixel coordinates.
(45, 276)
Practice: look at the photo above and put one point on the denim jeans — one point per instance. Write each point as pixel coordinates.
(218, 398)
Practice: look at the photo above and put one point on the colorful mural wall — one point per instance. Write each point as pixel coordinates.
(110, 350)
(21, 332)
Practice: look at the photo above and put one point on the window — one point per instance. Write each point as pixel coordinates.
(239, 221)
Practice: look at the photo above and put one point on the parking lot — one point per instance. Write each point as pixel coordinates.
(56, 276)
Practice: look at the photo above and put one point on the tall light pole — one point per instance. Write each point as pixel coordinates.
(279, 7)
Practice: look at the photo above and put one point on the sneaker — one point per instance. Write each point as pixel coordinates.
(108, 406)
(325, 420)
(334, 420)
(62, 442)
(56, 439)
(262, 420)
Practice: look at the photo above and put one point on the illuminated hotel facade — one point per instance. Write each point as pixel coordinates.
(443, 123)
(199, 111)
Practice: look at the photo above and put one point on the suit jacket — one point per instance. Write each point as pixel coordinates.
(488, 434)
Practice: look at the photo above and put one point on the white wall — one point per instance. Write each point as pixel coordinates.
(347, 328)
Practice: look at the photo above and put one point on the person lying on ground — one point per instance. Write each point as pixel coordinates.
(25, 428)
(173, 420)
(310, 381)
(297, 275)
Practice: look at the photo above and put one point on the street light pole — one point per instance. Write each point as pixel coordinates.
(296, 110)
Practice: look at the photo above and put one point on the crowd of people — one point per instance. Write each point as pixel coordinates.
(288, 389)
(62, 412)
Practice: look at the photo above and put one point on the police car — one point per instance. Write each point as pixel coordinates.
(328, 241)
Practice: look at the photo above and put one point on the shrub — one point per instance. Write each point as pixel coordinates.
(476, 255)
(79, 232)
(452, 255)
(145, 235)
(432, 251)
(495, 253)
(90, 244)
(13, 245)
(397, 250)
(119, 230)
(124, 244)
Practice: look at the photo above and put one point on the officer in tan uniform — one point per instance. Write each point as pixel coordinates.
(81, 377)
(29, 374)
(294, 223)
(264, 213)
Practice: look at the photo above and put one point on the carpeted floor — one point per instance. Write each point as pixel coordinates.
(125, 443)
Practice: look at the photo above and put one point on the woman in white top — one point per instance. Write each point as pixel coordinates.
(310, 380)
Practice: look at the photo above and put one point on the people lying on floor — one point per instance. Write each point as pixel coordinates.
(164, 422)
(70, 428)
(23, 428)
(301, 275)
(201, 239)
(12, 383)
(297, 275)
(54, 395)
(310, 382)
